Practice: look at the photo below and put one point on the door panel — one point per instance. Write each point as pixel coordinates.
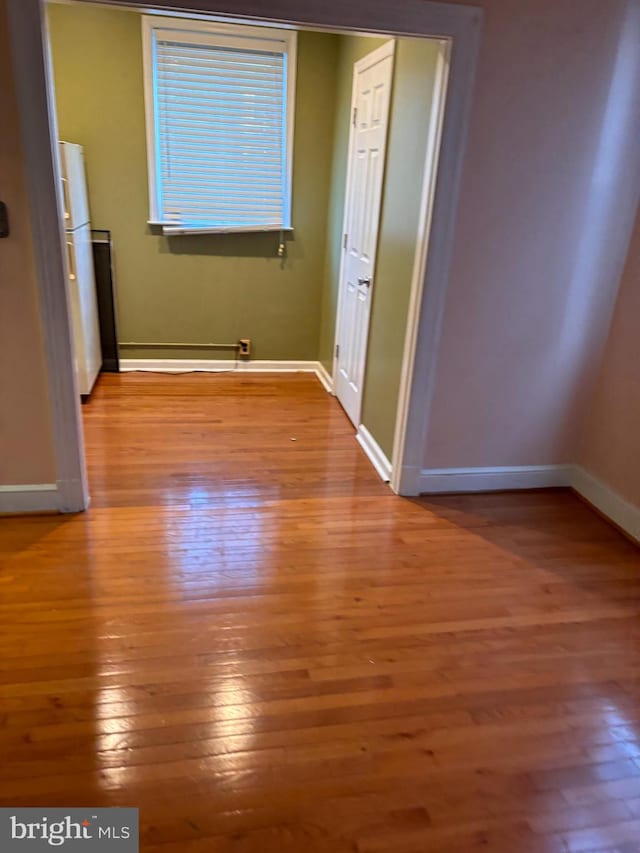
(370, 109)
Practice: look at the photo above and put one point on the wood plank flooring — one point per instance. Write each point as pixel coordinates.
(252, 640)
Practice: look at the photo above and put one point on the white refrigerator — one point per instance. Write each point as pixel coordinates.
(82, 284)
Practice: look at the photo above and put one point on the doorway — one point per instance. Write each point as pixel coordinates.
(457, 25)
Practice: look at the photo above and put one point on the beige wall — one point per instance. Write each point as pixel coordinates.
(414, 73)
(611, 447)
(216, 288)
(26, 452)
(548, 193)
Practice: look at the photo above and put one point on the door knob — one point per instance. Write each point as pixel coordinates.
(365, 281)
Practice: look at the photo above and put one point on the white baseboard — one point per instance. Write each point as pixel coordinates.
(435, 481)
(447, 480)
(325, 377)
(374, 452)
(623, 514)
(41, 497)
(203, 365)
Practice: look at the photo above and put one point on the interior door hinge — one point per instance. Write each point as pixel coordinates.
(344, 241)
(355, 115)
(337, 350)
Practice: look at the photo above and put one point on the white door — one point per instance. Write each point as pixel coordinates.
(84, 308)
(372, 80)
(74, 185)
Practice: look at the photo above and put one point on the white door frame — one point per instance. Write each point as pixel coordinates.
(33, 78)
(385, 50)
(426, 306)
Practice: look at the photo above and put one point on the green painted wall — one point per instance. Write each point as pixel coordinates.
(214, 288)
(415, 67)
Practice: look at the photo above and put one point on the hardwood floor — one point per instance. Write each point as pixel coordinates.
(252, 640)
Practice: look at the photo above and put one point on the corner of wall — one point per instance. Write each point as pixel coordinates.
(609, 460)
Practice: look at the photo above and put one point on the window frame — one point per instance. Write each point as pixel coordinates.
(208, 32)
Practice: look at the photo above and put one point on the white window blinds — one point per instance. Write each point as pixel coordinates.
(221, 120)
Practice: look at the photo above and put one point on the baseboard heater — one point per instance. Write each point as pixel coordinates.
(105, 289)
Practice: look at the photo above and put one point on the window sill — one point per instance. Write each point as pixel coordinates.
(169, 229)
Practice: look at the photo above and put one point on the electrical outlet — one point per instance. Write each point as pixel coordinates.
(244, 346)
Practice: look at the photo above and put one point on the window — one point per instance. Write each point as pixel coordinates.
(219, 105)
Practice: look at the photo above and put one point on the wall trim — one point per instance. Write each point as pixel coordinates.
(217, 365)
(435, 481)
(375, 453)
(203, 365)
(325, 377)
(609, 503)
(617, 509)
(40, 497)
